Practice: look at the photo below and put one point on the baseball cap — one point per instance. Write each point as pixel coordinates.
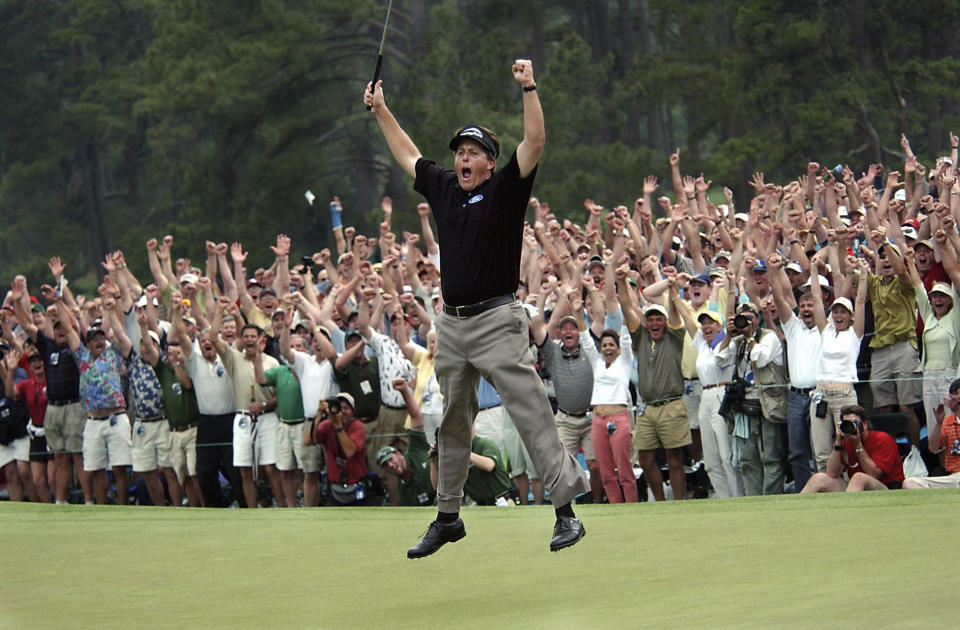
(741, 216)
(37, 308)
(761, 265)
(701, 277)
(655, 308)
(384, 454)
(252, 282)
(268, 291)
(477, 134)
(909, 232)
(594, 261)
(821, 280)
(344, 396)
(189, 277)
(569, 318)
(926, 243)
(190, 320)
(715, 316)
(95, 328)
(351, 334)
(942, 287)
(718, 272)
(154, 336)
(893, 247)
(792, 266)
(844, 302)
(901, 194)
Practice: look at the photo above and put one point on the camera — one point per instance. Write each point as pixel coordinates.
(611, 427)
(740, 322)
(850, 427)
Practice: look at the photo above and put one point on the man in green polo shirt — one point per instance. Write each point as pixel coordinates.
(412, 467)
(180, 403)
(292, 424)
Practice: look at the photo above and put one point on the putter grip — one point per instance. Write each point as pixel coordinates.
(376, 76)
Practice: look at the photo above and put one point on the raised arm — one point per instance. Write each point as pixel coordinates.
(534, 134)
(404, 151)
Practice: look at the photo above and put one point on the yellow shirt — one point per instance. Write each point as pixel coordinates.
(894, 311)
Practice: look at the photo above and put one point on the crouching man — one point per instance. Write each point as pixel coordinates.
(869, 458)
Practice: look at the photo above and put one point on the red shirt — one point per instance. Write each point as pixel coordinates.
(35, 393)
(882, 449)
(356, 466)
(949, 434)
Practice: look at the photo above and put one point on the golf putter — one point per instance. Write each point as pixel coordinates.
(383, 39)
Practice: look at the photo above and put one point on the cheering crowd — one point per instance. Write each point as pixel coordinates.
(759, 342)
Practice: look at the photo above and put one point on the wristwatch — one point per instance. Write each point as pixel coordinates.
(837, 447)
(859, 450)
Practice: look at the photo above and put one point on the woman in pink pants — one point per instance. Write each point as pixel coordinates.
(611, 431)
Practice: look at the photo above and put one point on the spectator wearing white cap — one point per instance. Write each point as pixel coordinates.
(836, 373)
(941, 346)
(707, 330)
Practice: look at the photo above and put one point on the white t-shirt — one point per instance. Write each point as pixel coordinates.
(838, 355)
(803, 352)
(316, 381)
(611, 385)
(711, 367)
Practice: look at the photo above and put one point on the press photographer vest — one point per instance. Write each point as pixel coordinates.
(773, 400)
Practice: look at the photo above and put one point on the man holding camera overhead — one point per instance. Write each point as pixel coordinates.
(869, 458)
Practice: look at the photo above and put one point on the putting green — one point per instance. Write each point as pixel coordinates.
(825, 561)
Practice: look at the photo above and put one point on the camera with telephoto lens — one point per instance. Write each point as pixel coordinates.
(850, 427)
(740, 322)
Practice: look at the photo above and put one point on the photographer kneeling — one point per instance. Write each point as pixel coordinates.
(869, 458)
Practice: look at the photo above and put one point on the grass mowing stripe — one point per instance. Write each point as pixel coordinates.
(791, 561)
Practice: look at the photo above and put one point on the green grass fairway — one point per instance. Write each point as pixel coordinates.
(828, 561)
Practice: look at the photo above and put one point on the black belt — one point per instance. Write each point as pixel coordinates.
(801, 390)
(183, 428)
(659, 403)
(573, 415)
(295, 422)
(469, 310)
(157, 419)
(394, 408)
(62, 403)
(491, 407)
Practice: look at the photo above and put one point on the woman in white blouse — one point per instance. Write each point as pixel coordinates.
(840, 336)
(714, 374)
(612, 435)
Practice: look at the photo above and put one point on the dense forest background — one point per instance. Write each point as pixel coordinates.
(122, 120)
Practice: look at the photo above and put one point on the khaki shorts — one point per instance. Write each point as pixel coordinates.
(183, 453)
(64, 427)
(151, 445)
(895, 375)
(664, 426)
(936, 483)
(575, 434)
(290, 446)
(107, 443)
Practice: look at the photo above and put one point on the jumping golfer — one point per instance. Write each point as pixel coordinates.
(483, 329)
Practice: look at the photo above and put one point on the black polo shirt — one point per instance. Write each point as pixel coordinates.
(62, 371)
(480, 232)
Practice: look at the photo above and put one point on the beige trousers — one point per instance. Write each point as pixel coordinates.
(495, 344)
